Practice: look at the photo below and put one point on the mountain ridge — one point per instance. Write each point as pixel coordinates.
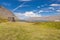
(46, 18)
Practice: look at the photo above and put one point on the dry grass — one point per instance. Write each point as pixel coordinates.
(30, 31)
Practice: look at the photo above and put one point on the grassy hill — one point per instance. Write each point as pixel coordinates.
(30, 31)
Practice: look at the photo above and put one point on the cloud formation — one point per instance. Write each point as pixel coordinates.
(51, 8)
(55, 5)
(27, 14)
(58, 10)
(44, 11)
(31, 14)
(41, 11)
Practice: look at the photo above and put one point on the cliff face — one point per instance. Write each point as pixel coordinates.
(6, 14)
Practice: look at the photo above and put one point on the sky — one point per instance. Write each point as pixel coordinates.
(32, 8)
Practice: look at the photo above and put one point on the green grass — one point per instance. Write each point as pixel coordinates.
(30, 31)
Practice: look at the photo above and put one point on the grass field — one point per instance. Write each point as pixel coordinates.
(30, 31)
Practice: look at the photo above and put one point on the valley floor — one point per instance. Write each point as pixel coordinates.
(30, 31)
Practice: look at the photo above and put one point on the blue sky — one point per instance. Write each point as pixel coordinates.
(32, 8)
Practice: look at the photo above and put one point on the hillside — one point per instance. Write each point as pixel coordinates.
(6, 14)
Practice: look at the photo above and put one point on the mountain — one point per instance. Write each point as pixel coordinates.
(6, 14)
(48, 18)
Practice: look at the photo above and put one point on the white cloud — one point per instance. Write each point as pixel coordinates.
(41, 11)
(44, 11)
(31, 14)
(24, 0)
(19, 15)
(58, 10)
(55, 5)
(49, 9)
(27, 14)
(52, 8)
